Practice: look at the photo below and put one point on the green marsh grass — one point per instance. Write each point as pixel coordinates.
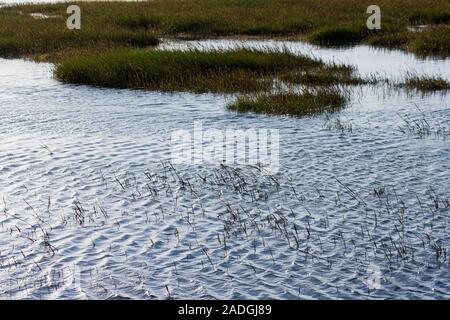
(340, 35)
(327, 75)
(305, 103)
(136, 23)
(394, 39)
(425, 83)
(435, 39)
(237, 70)
(23, 36)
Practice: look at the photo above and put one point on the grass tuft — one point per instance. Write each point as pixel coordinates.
(425, 83)
(339, 35)
(237, 70)
(305, 103)
(432, 41)
(395, 39)
(326, 75)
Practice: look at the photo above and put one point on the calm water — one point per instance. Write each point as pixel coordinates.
(89, 210)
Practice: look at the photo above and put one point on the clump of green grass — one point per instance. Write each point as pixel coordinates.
(305, 103)
(394, 39)
(339, 35)
(432, 41)
(390, 35)
(326, 75)
(237, 70)
(425, 83)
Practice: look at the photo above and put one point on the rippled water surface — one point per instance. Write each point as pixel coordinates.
(91, 209)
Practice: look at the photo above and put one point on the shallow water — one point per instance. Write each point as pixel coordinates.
(89, 210)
